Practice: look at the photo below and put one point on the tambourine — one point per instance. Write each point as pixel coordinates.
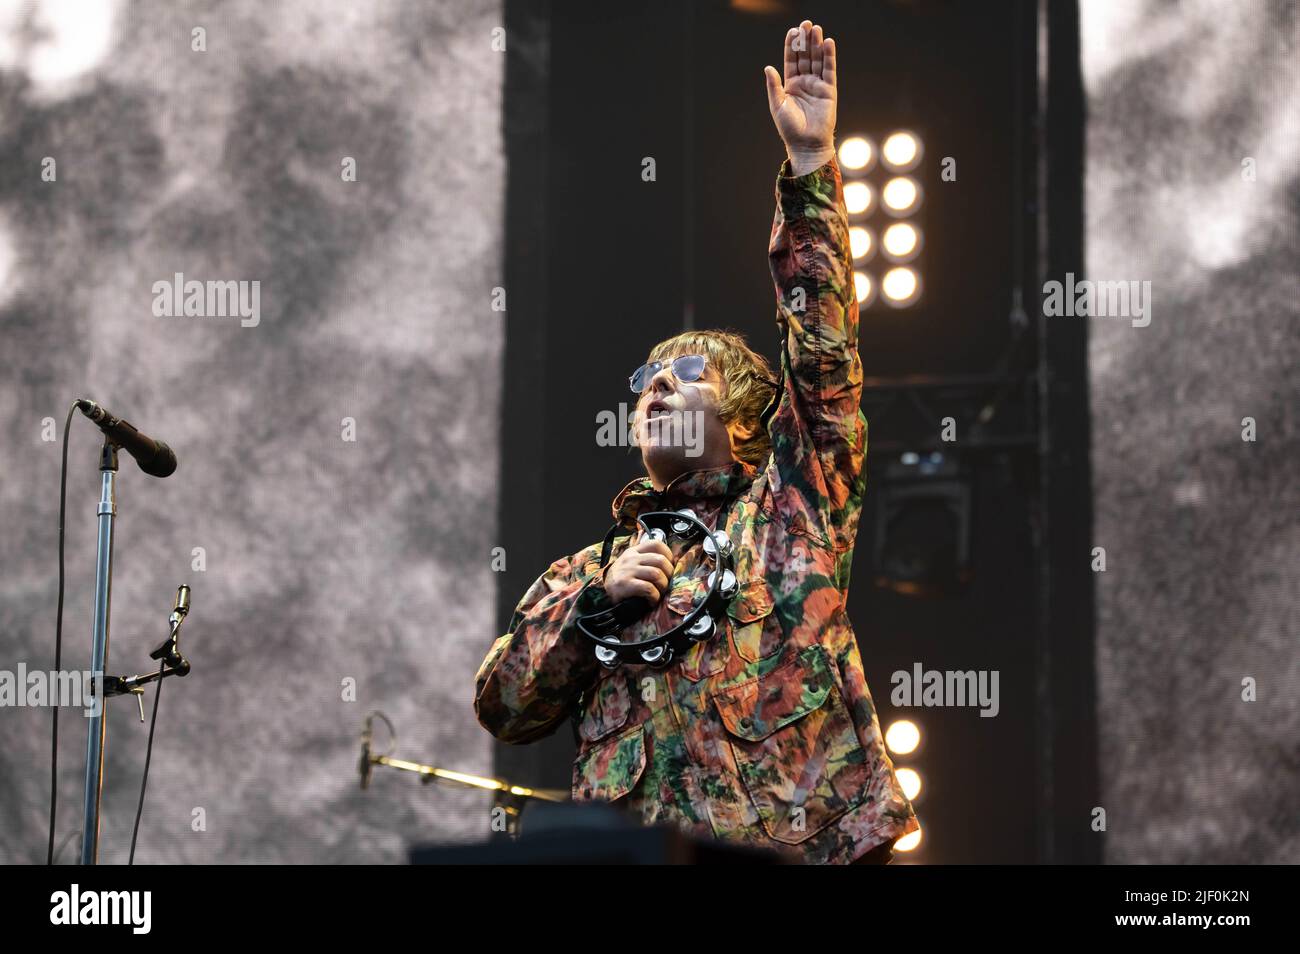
(604, 628)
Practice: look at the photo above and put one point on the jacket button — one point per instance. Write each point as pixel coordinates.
(746, 722)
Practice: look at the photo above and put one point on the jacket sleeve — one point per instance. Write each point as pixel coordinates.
(818, 431)
(533, 675)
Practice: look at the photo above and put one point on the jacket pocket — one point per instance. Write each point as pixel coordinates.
(755, 632)
(795, 746)
(607, 708)
(610, 770)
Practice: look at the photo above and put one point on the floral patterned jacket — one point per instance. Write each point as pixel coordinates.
(766, 733)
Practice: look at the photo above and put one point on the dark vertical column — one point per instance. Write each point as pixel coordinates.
(1067, 772)
(594, 277)
(689, 47)
(526, 119)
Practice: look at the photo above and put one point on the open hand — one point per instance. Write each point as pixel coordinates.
(803, 104)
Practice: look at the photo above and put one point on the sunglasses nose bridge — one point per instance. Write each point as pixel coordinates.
(664, 374)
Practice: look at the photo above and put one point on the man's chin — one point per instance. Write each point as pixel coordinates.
(669, 461)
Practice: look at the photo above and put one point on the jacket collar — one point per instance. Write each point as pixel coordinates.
(729, 480)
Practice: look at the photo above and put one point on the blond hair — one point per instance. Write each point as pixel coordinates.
(751, 384)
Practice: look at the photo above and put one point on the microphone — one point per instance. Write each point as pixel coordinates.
(181, 608)
(154, 457)
(170, 651)
(365, 766)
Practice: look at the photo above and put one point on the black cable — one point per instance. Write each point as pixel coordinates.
(148, 754)
(71, 837)
(58, 638)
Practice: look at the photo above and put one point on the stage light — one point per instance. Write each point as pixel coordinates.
(901, 242)
(901, 152)
(862, 244)
(901, 196)
(923, 525)
(857, 153)
(909, 842)
(900, 287)
(902, 737)
(865, 289)
(858, 198)
(910, 779)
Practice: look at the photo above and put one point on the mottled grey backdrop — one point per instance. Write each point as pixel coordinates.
(325, 559)
(1200, 528)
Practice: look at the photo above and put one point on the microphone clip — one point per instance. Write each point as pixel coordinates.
(169, 651)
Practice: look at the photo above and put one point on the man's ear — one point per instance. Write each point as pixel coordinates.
(741, 432)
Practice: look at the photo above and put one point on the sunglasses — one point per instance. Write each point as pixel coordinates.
(686, 368)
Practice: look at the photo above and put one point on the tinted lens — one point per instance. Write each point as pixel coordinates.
(642, 375)
(689, 367)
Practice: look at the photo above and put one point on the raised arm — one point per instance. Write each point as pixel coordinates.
(819, 434)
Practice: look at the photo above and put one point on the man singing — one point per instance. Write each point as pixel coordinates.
(765, 733)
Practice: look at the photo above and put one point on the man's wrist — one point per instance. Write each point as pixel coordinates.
(594, 597)
(804, 161)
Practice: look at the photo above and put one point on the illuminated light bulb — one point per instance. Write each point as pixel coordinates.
(901, 195)
(902, 737)
(909, 842)
(901, 151)
(900, 286)
(864, 287)
(910, 779)
(858, 197)
(861, 244)
(901, 241)
(856, 153)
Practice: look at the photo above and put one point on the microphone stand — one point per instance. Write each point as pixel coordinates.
(97, 729)
(105, 687)
(511, 798)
